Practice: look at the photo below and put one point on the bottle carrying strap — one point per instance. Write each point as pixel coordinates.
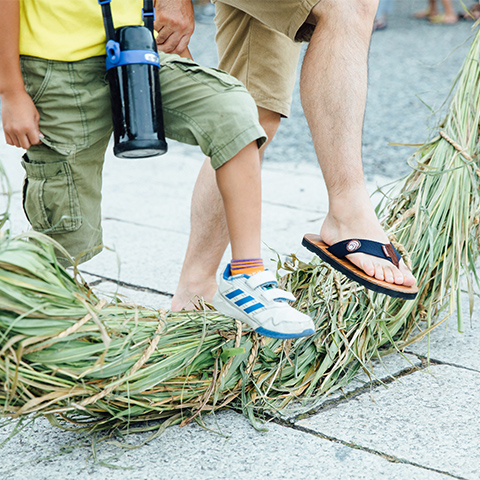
(115, 56)
(148, 13)
(107, 19)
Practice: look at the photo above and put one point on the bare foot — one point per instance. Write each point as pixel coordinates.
(361, 222)
(444, 19)
(473, 13)
(190, 297)
(425, 13)
(380, 23)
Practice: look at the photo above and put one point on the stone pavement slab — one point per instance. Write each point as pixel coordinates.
(381, 371)
(142, 256)
(10, 158)
(231, 449)
(446, 344)
(428, 418)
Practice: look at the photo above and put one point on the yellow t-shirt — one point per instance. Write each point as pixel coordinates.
(70, 30)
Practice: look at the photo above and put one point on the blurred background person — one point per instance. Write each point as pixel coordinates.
(204, 11)
(385, 8)
(473, 13)
(432, 14)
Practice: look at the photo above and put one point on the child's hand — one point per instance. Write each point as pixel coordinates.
(20, 119)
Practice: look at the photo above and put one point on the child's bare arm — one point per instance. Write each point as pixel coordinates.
(19, 115)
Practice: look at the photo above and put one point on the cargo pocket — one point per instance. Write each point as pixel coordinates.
(212, 77)
(61, 148)
(50, 198)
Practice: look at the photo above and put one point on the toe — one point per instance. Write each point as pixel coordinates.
(383, 270)
(398, 277)
(369, 269)
(379, 272)
(388, 274)
(365, 263)
(408, 279)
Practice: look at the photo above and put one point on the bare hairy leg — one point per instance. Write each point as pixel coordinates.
(431, 10)
(206, 244)
(333, 89)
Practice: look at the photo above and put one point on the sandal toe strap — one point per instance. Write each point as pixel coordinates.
(382, 250)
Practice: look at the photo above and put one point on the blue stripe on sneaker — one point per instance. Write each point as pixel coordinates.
(253, 308)
(244, 300)
(233, 294)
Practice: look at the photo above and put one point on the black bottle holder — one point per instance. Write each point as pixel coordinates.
(132, 71)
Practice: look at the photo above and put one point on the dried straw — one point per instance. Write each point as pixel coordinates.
(65, 353)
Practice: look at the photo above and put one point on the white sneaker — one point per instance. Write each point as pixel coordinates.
(256, 300)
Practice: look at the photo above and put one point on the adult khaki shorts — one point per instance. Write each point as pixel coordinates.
(62, 188)
(258, 42)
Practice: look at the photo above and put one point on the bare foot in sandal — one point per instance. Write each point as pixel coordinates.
(444, 19)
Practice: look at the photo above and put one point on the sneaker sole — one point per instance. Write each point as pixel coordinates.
(284, 336)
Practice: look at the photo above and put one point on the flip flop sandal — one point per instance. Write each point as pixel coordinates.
(441, 20)
(335, 256)
(380, 24)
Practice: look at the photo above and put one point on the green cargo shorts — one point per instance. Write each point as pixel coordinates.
(62, 188)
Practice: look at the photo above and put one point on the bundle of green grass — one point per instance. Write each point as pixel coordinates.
(67, 354)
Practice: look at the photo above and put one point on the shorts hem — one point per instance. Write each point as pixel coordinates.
(89, 255)
(225, 153)
(67, 262)
(299, 20)
(295, 31)
(268, 103)
(218, 155)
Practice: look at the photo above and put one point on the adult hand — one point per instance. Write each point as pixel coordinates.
(174, 22)
(20, 119)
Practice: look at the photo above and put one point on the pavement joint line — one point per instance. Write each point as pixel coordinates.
(329, 404)
(386, 456)
(293, 207)
(122, 283)
(436, 361)
(477, 294)
(291, 422)
(138, 224)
